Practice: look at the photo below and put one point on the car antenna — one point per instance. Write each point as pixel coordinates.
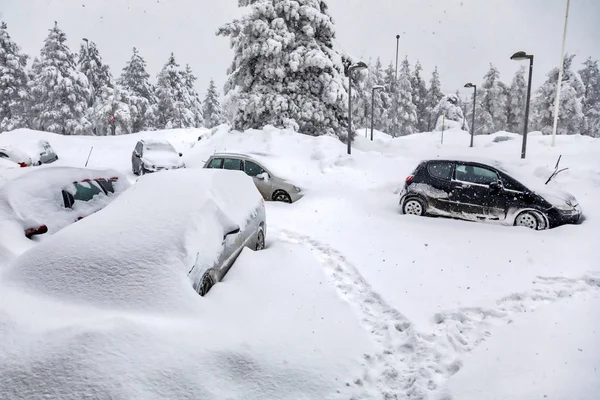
(88, 157)
(556, 170)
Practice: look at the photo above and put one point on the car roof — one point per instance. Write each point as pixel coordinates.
(227, 154)
(490, 162)
(155, 141)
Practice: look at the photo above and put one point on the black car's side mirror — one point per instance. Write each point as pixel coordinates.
(136, 155)
(495, 186)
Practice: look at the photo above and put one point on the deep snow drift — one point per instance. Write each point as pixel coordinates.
(418, 293)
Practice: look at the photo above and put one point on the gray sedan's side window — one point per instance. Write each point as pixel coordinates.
(232, 164)
(252, 169)
(215, 163)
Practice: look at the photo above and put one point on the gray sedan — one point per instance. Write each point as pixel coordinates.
(270, 186)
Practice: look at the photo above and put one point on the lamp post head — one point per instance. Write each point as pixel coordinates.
(378, 87)
(357, 66)
(520, 56)
(470, 85)
(84, 39)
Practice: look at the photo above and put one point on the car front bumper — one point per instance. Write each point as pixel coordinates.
(563, 217)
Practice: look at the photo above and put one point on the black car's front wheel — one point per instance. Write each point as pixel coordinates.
(531, 220)
(414, 206)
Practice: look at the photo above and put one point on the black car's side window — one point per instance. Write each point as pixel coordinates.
(440, 170)
(2, 155)
(138, 148)
(474, 174)
(215, 163)
(252, 169)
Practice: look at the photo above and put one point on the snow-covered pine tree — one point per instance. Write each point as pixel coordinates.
(419, 97)
(450, 113)
(381, 98)
(170, 88)
(434, 96)
(493, 102)
(59, 91)
(407, 111)
(517, 96)
(590, 76)
(570, 116)
(14, 92)
(286, 71)
(98, 74)
(211, 108)
(191, 101)
(135, 80)
(112, 113)
(391, 91)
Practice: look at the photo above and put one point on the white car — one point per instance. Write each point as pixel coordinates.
(15, 155)
(185, 223)
(151, 155)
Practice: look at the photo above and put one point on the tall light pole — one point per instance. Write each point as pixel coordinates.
(560, 76)
(470, 85)
(397, 48)
(357, 66)
(375, 88)
(520, 56)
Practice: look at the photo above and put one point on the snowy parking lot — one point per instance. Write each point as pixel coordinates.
(350, 299)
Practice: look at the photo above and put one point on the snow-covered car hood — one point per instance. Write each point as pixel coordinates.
(557, 198)
(163, 159)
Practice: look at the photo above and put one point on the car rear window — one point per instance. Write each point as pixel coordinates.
(440, 170)
(87, 190)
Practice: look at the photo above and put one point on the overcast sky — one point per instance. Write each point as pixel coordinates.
(461, 37)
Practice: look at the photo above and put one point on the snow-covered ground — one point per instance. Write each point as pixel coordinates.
(354, 299)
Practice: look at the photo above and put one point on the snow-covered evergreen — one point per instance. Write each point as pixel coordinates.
(135, 80)
(434, 96)
(170, 109)
(286, 71)
(211, 108)
(391, 120)
(14, 92)
(517, 96)
(381, 98)
(493, 108)
(112, 113)
(450, 113)
(419, 97)
(570, 115)
(191, 100)
(590, 76)
(407, 111)
(59, 91)
(98, 74)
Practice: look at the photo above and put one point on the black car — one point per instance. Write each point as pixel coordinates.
(477, 191)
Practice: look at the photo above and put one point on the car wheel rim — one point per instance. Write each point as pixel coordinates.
(413, 207)
(205, 285)
(283, 198)
(527, 220)
(260, 242)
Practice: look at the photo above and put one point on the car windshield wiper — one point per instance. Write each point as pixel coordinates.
(556, 170)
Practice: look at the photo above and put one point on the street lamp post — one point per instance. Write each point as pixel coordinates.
(520, 56)
(560, 76)
(375, 88)
(397, 48)
(470, 85)
(358, 66)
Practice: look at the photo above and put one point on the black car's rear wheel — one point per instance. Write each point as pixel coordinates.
(413, 206)
(528, 219)
(206, 284)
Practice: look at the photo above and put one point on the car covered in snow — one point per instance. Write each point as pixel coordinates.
(481, 191)
(151, 155)
(49, 199)
(15, 155)
(190, 222)
(268, 182)
(45, 154)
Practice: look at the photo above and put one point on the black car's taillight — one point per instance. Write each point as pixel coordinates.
(409, 179)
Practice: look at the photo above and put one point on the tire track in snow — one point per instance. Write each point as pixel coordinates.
(412, 364)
